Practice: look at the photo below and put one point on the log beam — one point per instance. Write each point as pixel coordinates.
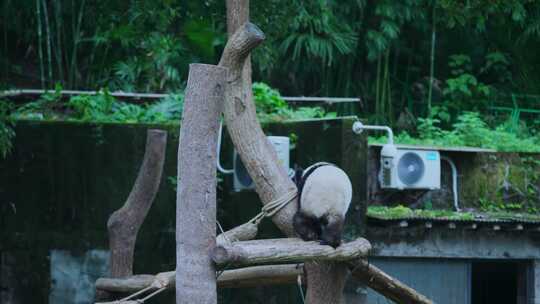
(384, 284)
(235, 278)
(290, 250)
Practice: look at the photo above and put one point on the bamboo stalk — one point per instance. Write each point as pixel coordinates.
(377, 81)
(76, 39)
(6, 63)
(40, 50)
(384, 83)
(432, 58)
(58, 48)
(389, 97)
(48, 32)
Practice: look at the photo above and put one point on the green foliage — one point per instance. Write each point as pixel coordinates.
(315, 32)
(173, 181)
(400, 211)
(377, 50)
(103, 107)
(6, 128)
(469, 130)
(267, 100)
(92, 107)
(490, 206)
(392, 16)
(463, 91)
(497, 64)
(168, 109)
(157, 71)
(43, 108)
(271, 107)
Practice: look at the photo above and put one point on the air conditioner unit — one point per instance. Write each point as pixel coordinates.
(242, 180)
(409, 168)
(403, 168)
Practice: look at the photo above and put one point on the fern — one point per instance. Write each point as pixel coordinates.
(316, 33)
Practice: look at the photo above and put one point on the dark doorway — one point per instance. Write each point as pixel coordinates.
(495, 283)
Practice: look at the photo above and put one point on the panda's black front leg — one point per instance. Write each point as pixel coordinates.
(307, 227)
(332, 230)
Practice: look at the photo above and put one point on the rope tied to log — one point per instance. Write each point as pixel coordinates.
(161, 283)
(270, 209)
(267, 210)
(129, 299)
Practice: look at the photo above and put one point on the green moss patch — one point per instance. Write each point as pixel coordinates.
(402, 212)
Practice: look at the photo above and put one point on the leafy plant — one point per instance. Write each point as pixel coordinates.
(168, 109)
(469, 130)
(93, 107)
(6, 128)
(400, 211)
(463, 91)
(44, 107)
(271, 107)
(267, 100)
(497, 64)
(103, 107)
(315, 32)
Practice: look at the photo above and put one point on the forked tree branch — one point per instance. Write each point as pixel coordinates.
(124, 224)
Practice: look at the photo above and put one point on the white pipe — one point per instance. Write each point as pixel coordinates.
(218, 162)
(454, 181)
(358, 127)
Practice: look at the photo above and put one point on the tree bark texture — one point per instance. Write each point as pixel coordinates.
(196, 196)
(257, 276)
(234, 278)
(134, 283)
(260, 159)
(238, 15)
(289, 250)
(123, 225)
(384, 284)
(272, 275)
(244, 232)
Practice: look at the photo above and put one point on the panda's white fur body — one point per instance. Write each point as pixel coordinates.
(326, 191)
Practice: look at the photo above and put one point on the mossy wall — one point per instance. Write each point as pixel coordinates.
(487, 181)
(63, 180)
(507, 181)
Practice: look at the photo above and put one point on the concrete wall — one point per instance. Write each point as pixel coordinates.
(454, 243)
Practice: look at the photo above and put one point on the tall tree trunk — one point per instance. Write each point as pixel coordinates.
(325, 280)
(196, 196)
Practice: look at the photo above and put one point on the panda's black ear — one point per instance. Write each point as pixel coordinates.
(297, 178)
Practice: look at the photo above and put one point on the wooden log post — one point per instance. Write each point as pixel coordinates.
(290, 250)
(124, 224)
(196, 196)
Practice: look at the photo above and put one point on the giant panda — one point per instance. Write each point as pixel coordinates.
(324, 195)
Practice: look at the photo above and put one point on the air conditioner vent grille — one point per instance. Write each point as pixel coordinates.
(410, 168)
